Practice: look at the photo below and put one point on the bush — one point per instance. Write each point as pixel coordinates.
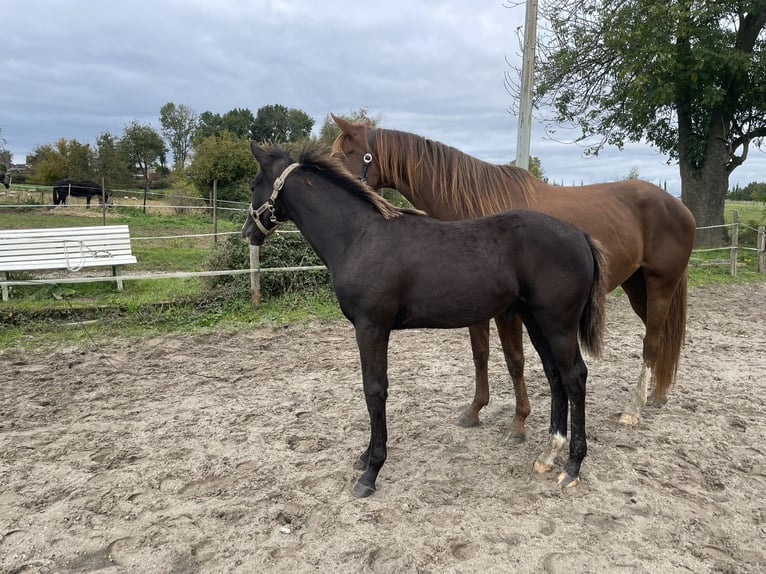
(281, 250)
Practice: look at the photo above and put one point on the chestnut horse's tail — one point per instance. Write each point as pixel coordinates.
(672, 339)
(592, 318)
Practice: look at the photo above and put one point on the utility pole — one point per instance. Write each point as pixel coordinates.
(527, 78)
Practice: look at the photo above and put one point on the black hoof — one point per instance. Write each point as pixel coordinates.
(515, 438)
(566, 480)
(468, 420)
(362, 490)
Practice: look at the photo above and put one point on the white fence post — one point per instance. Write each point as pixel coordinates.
(255, 275)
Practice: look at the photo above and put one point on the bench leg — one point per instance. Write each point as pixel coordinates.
(5, 287)
(116, 273)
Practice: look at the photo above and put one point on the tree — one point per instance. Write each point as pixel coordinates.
(5, 160)
(111, 166)
(64, 159)
(753, 191)
(276, 123)
(226, 159)
(178, 125)
(5, 155)
(687, 77)
(143, 148)
(238, 122)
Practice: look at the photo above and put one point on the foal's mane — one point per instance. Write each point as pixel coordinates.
(313, 158)
(467, 184)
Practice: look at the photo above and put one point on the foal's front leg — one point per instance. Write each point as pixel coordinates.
(373, 351)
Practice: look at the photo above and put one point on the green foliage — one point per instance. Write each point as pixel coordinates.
(753, 191)
(111, 165)
(276, 123)
(281, 250)
(227, 159)
(64, 159)
(623, 71)
(142, 146)
(178, 126)
(238, 121)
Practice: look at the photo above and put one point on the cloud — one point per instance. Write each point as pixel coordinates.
(76, 68)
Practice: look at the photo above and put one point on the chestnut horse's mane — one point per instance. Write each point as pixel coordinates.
(470, 186)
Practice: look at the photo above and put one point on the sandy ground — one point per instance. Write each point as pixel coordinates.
(233, 452)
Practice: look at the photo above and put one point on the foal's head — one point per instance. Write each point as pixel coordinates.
(313, 168)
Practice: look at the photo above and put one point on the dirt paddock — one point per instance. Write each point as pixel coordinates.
(233, 452)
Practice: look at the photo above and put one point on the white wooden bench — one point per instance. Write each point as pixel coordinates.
(70, 248)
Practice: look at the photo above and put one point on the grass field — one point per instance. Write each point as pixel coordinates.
(184, 304)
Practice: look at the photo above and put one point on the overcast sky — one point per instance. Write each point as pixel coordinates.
(74, 69)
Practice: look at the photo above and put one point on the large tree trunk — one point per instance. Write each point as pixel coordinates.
(704, 187)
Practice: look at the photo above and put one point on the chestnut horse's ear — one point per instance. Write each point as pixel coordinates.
(345, 126)
(259, 153)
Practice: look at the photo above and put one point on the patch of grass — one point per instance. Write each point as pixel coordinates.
(76, 320)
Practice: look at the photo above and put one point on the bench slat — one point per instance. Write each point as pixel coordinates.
(70, 248)
(62, 231)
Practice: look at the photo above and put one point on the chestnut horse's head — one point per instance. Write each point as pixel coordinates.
(355, 147)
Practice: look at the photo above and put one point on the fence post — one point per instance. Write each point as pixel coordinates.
(215, 211)
(734, 244)
(103, 203)
(255, 274)
(761, 246)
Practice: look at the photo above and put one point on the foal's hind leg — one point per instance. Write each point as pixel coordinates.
(511, 332)
(480, 348)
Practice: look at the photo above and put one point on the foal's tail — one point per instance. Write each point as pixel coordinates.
(592, 318)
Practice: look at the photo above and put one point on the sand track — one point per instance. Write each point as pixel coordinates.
(233, 452)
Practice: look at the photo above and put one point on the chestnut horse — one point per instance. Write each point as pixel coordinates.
(398, 269)
(648, 235)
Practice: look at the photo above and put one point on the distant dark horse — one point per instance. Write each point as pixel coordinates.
(398, 269)
(648, 235)
(63, 188)
(5, 179)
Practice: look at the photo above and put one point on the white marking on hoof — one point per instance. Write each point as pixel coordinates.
(542, 468)
(566, 481)
(628, 419)
(544, 462)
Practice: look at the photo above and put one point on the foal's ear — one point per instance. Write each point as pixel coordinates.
(259, 153)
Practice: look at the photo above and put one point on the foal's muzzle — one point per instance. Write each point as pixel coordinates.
(264, 219)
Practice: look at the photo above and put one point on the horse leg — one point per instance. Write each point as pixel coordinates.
(574, 380)
(511, 332)
(652, 297)
(373, 350)
(559, 407)
(567, 382)
(480, 348)
(635, 288)
(557, 437)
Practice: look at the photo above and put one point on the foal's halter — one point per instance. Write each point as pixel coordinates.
(367, 158)
(268, 205)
